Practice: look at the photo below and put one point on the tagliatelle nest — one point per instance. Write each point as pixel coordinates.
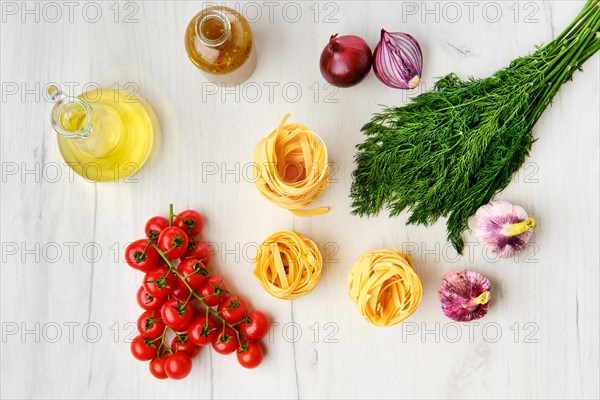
(288, 265)
(292, 168)
(384, 286)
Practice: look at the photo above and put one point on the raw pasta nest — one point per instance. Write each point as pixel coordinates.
(288, 265)
(384, 286)
(291, 168)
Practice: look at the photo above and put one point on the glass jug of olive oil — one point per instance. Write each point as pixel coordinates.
(104, 135)
(219, 41)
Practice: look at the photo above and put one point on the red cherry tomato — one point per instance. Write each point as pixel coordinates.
(226, 342)
(176, 314)
(157, 367)
(233, 308)
(189, 221)
(202, 330)
(199, 250)
(214, 290)
(181, 292)
(150, 325)
(173, 241)
(194, 272)
(159, 282)
(251, 355)
(155, 226)
(141, 256)
(147, 301)
(178, 365)
(142, 349)
(255, 326)
(183, 343)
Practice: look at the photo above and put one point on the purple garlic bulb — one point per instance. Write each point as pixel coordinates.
(505, 227)
(465, 295)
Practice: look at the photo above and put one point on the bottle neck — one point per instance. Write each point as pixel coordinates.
(94, 128)
(213, 28)
(71, 117)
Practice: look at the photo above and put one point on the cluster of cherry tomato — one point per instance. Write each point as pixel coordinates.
(183, 302)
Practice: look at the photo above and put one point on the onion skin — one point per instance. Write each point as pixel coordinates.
(346, 60)
(398, 60)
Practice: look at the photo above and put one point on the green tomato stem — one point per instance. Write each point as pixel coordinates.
(162, 342)
(146, 248)
(193, 292)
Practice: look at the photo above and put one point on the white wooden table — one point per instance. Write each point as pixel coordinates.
(68, 302)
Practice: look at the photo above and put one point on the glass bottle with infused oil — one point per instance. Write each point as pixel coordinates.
(103, 134)
(219, 42)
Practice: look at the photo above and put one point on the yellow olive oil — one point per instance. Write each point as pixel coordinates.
(119, 133)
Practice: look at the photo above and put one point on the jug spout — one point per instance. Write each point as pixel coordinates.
(71, 117)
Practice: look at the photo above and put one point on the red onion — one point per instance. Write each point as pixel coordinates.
(346, 60)
(398, 61)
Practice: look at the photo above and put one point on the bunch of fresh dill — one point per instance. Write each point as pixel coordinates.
(450, 150)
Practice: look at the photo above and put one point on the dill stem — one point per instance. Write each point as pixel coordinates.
(569, 63)
(588, 6)
(592, 50)
(569, 48)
